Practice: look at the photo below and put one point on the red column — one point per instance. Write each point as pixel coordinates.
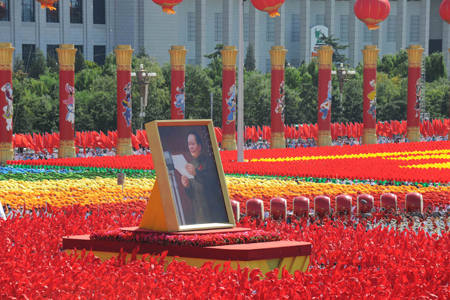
(324, 94)
(370, 58)
(66, 58)
(6, 103)
(277, 59)
(177, 95)
(124, 108)
(229, 106)
(414, 87)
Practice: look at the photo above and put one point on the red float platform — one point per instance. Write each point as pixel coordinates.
(266, 256)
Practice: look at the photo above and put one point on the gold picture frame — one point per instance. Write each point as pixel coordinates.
(162, 212)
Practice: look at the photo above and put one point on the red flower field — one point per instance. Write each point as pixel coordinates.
(346, 264)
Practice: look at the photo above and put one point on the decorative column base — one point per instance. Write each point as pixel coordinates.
(66, 149)
(6, 153)
(124, 147)
(229, 142)
(369, 136)
(324, 138)
(413, 133)
(277, 140)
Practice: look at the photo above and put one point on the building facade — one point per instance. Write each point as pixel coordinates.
(96, 26)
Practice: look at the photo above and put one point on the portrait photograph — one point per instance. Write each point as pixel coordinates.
(193, 174)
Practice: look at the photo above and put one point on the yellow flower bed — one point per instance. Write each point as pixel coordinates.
(88, 191)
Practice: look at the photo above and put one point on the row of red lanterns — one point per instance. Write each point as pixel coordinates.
(370, 12)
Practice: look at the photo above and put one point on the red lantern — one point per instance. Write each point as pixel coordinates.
(444, 11)
(47, 4)
(269, 6)
(372, 12)
(167, 5)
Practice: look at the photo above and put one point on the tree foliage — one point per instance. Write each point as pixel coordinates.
(36, 95)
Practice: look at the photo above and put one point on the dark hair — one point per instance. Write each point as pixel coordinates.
(198, 139)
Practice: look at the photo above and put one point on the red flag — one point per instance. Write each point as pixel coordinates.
(255, 134)
(381, 129)
(422, 130)
(141, 138)
(144, 140)
(394, 128)
(333, 137)
(343, 129)
(89, 141)
(299, 131)
(55, 140)
(446, 127)
(430, 128)
(337, 128)
(313, 131)
(306, 131)
(387, 129)
(134, 142)
(105, 141)
(260, 133)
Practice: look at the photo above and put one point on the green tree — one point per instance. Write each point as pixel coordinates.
(38, 65)
(435, 67)
(142, 53)
(214, 70)
(334, 42)
(80, 63)
(250, 62)
(52, 64)
(18, 64)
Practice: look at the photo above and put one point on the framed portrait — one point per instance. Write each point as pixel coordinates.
(189, 175)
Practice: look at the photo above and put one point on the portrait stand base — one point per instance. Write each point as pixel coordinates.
(267, 256)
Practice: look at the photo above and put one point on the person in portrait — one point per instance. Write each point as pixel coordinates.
(204, 189)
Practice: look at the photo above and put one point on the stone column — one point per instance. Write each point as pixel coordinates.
(377, 37)
(279, 27)
(305, 24)
(325, 54)
(401, 24)
(66, 58)
(414, 84)
(200, 32)
(353, 34)
(277, 59)
(330, 12)
(124, 55)
(229, 56)
(253, 33)
(177, 94)
(446, 44)
(370, 58)
(227, 22)
(425, 24)
(6, 103)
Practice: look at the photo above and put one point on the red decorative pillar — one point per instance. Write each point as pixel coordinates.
(414, 87)
(6, 103)
(277, 59)
(229, 55)
(324, 102)
(177, 95)
(124, 55)
(66, 58)
(370, 58)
